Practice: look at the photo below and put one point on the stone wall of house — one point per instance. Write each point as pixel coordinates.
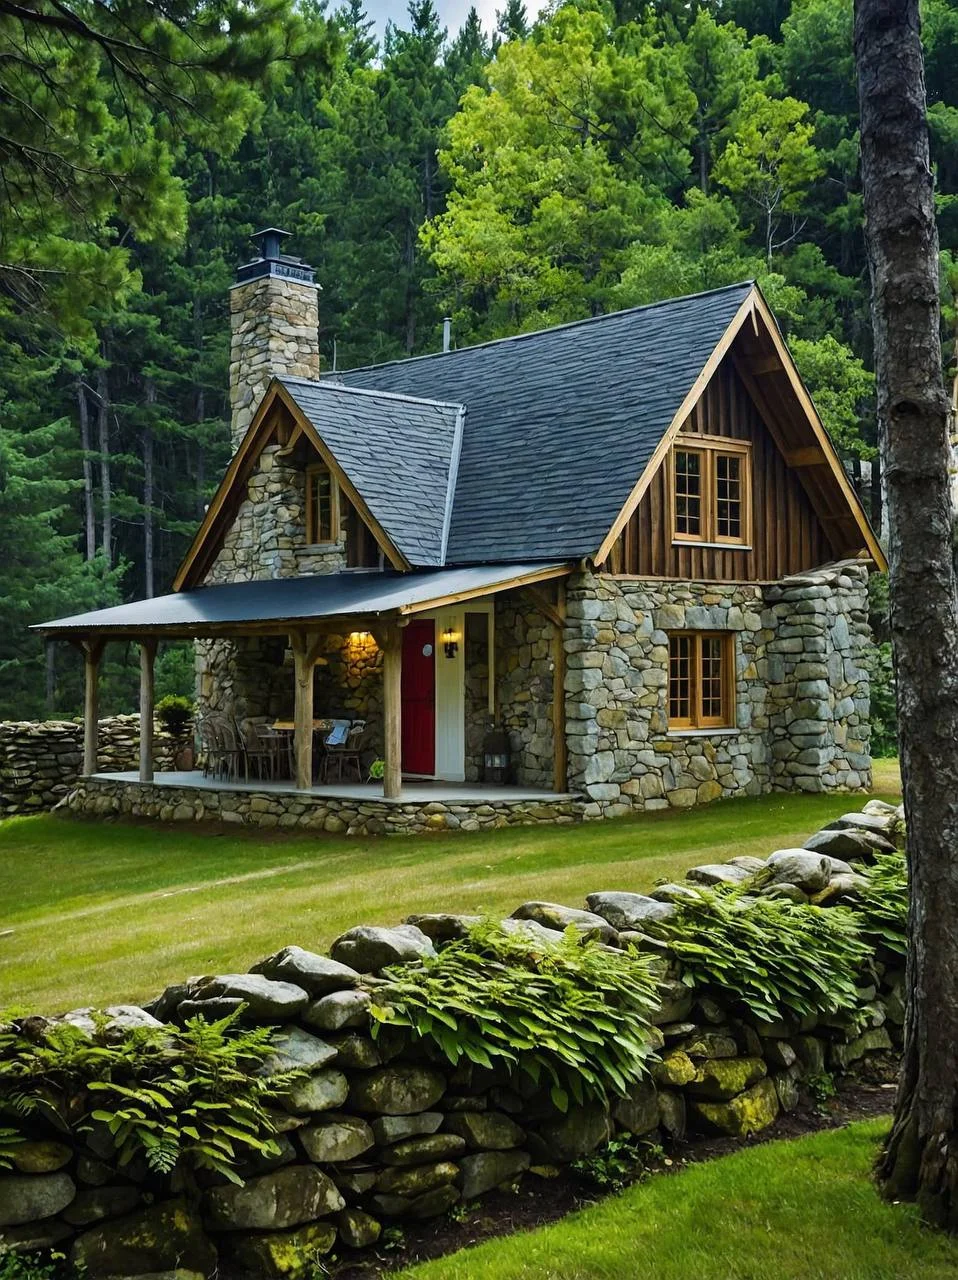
(274, 330)
(381, 1127)
(801, 692)
(524, 675)
(40, 762)
(476, 694)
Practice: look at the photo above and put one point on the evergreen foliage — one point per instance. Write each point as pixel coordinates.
(599, 156)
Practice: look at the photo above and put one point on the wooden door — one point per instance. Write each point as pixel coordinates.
(419, 697)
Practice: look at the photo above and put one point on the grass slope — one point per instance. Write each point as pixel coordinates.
(101, 912)
(799, 1210)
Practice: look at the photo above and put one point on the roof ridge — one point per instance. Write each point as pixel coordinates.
(329, 383)
(553, 328)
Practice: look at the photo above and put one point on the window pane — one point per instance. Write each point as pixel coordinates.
(321, 494)
(728, 495)
(713, 701)
(688, 492)
(680, 678)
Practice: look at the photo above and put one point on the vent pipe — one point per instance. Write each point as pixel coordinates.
(447, 333)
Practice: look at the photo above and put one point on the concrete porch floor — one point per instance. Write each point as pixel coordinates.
(418, 792)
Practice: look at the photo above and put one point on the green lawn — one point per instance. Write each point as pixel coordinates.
(799, 1210)
(100, 912)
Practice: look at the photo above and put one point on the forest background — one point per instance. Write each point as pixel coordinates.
(603, 156)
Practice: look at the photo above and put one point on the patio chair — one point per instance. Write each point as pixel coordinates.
(209, 747)
(345, 754)
(230, 754)
(264, 748)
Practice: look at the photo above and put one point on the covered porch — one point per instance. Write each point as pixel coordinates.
(295, 622)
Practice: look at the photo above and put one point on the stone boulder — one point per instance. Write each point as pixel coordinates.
(416, 1180)
(296, 1050)
(93, 1204)
(440, 926)
(485, 1130)
(370, 948)
(399, 1090)
(673, 893)
(631, 911)
(286, 1198)
(34, 1197)
(714, 873)
(322, 1091)
(336, 1138)
(164, 1237)
(282, 1255)
(358, 1230)
(577, 1133)
(638, 1111)
(389, 1129)
(338, 1010)
(809, 872)
(849, 843)
(120, 1019)
(316, 974)
(533, 932)
(488, 1169)
(554, 916)
(721, 1078)
(40, 1157)
(266, 1000)
(749, 1112)
(425, 1149)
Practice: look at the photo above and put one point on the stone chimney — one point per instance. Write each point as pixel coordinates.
(274, 326)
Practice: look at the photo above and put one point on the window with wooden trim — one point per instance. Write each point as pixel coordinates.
(711, 484)
(701, 680)
(322, 505)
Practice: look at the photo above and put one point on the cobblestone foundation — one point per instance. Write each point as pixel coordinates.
(106, 797)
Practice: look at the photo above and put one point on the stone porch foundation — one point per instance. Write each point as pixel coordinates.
(110, 797)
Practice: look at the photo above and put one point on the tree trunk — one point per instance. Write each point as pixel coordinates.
(89, 517)
(920, 1161)
(148, 526)
(103, 444)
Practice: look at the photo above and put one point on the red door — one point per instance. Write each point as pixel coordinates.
(419, 697)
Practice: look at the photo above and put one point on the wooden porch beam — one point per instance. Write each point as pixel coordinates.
(545, 605)
(389, 639)
(305, 646)
(147, 666)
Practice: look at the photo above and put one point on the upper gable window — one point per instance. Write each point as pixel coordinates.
(711, 485)
(322, 505)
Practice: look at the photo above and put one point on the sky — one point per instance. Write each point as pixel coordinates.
(452, 13)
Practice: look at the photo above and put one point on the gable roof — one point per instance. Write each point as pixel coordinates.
(562, 422)
(401, 453)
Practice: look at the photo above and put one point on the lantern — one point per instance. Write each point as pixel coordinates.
(496, 759)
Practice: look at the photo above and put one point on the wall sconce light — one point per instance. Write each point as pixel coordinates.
(449, 642)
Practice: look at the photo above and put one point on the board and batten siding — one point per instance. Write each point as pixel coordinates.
(787, 535)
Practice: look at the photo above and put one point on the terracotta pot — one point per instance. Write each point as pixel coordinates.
(185, 758)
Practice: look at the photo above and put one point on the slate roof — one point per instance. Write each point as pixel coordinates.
(401, 454)
(205, 610)
(559, 424)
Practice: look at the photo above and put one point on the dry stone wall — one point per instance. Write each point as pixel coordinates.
(384, 1129)
(524, 675)
(41, 762)
(802, 694)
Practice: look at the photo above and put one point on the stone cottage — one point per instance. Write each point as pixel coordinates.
(607, 566)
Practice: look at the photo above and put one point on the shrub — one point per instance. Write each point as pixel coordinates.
(574, 1015)
(174, 714)
(777, 957)
(190, 1096)
(881, 909)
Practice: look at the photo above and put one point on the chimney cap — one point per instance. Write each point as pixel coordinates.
(272, 261)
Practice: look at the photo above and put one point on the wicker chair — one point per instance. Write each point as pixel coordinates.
(346, 755)
(229, 752)
(264, 748)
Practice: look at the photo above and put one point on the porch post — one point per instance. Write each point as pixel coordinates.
(389, 639)
(147, 659)
(303, 710)
(92, 653)
(560, 778)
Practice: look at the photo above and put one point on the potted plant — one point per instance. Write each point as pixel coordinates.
(175, 716)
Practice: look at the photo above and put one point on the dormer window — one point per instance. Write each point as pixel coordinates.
(322, 506)
(711, 482)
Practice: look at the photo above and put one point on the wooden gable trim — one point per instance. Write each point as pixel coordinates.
(197, 561)
(508, 584)
(756, 311)
(684, 409)
(857, 511)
